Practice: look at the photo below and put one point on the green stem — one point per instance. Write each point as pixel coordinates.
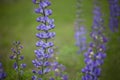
(17, 62)
(45, 42)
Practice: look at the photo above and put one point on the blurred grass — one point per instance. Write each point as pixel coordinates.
(17, 22)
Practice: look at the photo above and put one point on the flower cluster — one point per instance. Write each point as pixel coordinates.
(80, 31)
(2, 73)
(58, 70)
(95, 55)
(45, 47)
(114, 14)
(81, 39)
(16, 55)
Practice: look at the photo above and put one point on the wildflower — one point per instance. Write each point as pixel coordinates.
(114, 14)
(58, 70)
(80, 30)
(95, 55)
(2, 73)
(16, 55)
(44, 62)
(45, 47)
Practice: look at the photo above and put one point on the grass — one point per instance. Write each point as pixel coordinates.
(17, 22)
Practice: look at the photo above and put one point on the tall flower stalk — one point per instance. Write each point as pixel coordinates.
(45, 45)
(17, 57)
(95, 55)
(114, 7)
(80, 31)
(2, 73)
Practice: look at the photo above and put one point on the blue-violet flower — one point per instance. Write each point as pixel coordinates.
(114, 15)
(80, 31)
(45, 46)
(2, 73)
(95, 55)
(17, 57)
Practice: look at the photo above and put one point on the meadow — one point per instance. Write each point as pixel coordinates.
(18, 22)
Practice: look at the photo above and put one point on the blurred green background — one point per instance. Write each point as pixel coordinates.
(18, 22)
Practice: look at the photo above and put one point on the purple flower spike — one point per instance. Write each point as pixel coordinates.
(16, 56)
(94, 57)
(45, 52)
(114, 15)
(80, 30)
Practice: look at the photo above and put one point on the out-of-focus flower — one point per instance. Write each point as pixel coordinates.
(80, 30)
(2, 73)
(95, 55)
(114, 8)
(17, 57)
